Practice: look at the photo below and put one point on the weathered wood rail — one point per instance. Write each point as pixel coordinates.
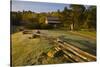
(75, 53)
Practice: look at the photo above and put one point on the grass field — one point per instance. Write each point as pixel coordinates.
(27, 51)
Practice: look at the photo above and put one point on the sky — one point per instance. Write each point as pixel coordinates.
(37, 6)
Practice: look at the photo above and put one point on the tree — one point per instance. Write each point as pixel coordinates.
(16, 17)
(77, 11)
(64, 17)
(90, 15)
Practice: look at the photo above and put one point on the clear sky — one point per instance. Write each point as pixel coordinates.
(37, 6)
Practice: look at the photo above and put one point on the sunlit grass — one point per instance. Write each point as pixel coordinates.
(93, 33)
(22, 46)
(26, 51)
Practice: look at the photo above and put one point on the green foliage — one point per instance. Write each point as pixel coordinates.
(16, 18)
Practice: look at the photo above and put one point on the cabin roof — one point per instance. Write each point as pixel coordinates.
(52, 19)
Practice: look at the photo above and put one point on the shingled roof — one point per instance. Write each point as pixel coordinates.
(52, 19)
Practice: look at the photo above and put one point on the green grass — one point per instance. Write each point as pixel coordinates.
(93, 33)
(22, 46)
(26, 51)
